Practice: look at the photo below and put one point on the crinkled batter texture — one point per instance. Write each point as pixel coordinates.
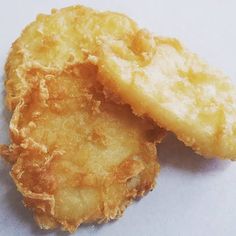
(54, 42)
(162, 80)
(77, 157)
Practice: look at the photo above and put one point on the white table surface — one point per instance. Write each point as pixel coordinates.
(194, 196)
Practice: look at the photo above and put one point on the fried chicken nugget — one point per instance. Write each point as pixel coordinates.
(77, 157)
(160, 79)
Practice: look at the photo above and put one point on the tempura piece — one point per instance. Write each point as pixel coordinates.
(78, 158)
(160, 79)
(53, 42)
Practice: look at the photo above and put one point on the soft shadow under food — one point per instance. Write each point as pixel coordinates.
(174, 153)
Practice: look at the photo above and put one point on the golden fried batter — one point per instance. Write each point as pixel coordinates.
(53, 42)
(162, 80)
(77, 157)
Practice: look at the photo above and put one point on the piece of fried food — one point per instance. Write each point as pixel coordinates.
(77, 157)
(181, 93)
(53, 42)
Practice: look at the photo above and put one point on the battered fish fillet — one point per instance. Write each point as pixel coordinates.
(77, 157)
(160, 79)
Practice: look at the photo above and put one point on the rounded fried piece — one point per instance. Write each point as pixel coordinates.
(53, 42)
(181, 93)
(77, 156)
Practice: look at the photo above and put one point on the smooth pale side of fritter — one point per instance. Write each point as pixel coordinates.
(160, 79)
(77, 157)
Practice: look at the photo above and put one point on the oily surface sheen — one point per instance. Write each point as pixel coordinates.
(77, 157)
(162, 80)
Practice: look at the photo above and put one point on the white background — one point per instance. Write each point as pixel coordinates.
(194, 196)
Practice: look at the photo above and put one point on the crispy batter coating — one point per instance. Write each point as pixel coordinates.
(160, 79)
(53, 42)
(77, 156)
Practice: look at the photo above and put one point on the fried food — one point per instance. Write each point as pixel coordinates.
(53, 42)
(77, 157)
(160, 79)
